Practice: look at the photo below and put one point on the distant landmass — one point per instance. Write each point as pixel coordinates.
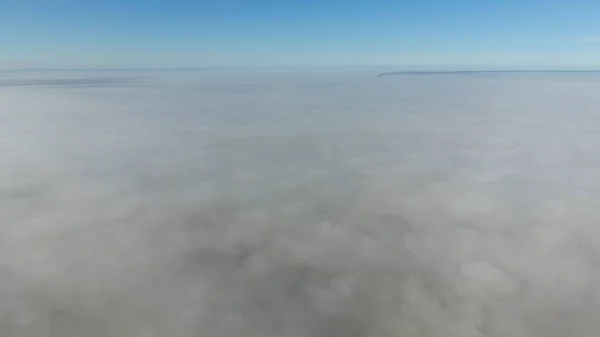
(475, 72)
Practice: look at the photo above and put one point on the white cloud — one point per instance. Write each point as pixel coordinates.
(308, 204)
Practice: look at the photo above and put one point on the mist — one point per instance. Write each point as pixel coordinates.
(266, 204)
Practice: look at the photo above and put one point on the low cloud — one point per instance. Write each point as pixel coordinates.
(279, 204)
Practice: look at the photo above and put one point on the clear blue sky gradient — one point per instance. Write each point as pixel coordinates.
(428, 34)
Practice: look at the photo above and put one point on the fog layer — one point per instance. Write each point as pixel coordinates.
(280, 204)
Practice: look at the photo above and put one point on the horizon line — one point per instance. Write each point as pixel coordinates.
(240, 68)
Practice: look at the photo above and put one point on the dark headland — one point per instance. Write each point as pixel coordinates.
(477, 72)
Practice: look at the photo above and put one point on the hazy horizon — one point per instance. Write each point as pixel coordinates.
(324, 68)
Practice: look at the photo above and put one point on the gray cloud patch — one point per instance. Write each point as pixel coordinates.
(280, 204)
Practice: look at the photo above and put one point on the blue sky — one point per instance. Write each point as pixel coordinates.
(429, 34)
